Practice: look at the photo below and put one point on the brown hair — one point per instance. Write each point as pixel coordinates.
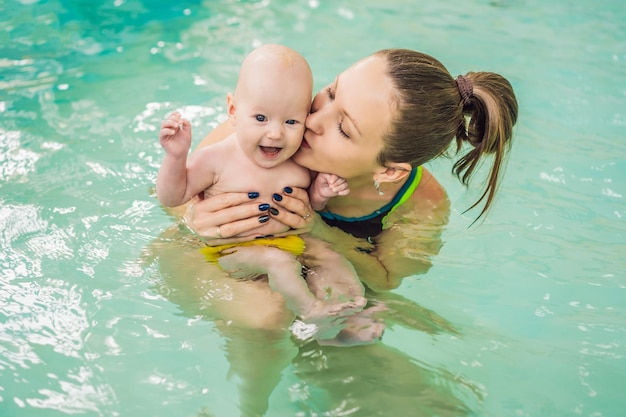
(432, 108)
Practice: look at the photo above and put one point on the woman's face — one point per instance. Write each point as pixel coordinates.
(348, 118)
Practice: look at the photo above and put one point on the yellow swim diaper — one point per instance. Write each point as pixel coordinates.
(293, 244)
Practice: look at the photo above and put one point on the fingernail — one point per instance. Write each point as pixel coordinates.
(264, 207)
(277, 197)
(264, 218)
(274, 211)
(253, 195)
(288, 190)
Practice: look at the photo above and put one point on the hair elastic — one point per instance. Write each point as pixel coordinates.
(465, 88)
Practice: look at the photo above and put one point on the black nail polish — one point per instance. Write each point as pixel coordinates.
(264, 207)
(253, 195)
(277, 197)
(288, 190)
(264, 218)
(274, 211)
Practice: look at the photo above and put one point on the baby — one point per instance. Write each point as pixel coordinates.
(270, 105)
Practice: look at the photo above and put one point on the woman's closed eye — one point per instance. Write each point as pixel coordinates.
(331, 96)
(342, 132)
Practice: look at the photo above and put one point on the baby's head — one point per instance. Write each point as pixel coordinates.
(278, 70)
(271, 103)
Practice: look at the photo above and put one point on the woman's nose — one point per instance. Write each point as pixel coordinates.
(313, 122)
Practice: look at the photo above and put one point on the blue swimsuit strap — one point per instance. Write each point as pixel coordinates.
(410, 185)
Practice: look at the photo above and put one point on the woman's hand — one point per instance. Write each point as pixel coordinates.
(225, 215)
(294, 210)
(221, 217)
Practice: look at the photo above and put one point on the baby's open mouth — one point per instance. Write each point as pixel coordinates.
(270, 151)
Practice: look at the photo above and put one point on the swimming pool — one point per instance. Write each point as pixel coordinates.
(522, 315)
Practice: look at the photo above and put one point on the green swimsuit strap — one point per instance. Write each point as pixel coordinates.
(408, 192)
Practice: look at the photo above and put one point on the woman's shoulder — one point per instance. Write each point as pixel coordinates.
(429, 203)
(429, 189)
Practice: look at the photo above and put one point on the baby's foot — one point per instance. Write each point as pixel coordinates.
(358, 330)
(322, 310)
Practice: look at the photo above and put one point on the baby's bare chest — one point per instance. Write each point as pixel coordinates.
(244, 177)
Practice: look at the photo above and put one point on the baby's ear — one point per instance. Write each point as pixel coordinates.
(231, 108)
(394, 172)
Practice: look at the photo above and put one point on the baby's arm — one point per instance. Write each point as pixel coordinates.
(324, 187)
(177, 181)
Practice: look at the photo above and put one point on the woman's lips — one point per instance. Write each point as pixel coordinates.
(305, 144)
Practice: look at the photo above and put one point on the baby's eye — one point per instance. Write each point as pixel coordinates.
(260, 118)
(291, 122)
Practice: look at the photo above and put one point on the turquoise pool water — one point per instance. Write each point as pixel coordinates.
(522, 315)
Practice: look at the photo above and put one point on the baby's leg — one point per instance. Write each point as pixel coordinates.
(331, 277)
(284, 274)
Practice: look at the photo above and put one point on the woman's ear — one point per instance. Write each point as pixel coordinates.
(393, 172)
(230, 108)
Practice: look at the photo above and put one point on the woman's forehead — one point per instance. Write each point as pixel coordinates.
(364, 92)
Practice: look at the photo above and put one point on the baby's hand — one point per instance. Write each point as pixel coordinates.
(331, 185)
(175, 135)
(326, 186)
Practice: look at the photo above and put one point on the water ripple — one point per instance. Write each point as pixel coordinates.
(15, 161)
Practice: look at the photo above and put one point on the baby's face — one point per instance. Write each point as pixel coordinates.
(271, 109)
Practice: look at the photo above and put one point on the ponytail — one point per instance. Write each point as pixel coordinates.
(489, 114)
(432, 108)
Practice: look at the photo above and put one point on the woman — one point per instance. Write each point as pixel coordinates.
(375, 125)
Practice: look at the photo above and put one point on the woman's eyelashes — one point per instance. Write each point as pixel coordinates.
(331, 96)
(342, 132)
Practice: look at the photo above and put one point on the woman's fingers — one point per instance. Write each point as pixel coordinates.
(230, 214)
(222, 201)
(294, 209)
(233, 213)
(228, 230)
